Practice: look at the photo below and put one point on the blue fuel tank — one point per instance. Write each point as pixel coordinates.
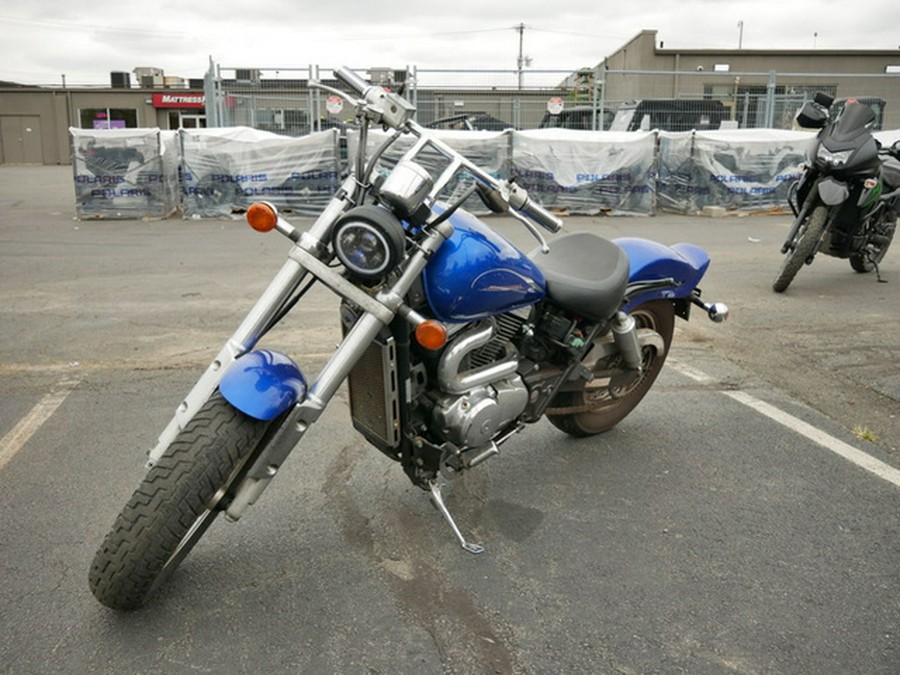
(477, 274)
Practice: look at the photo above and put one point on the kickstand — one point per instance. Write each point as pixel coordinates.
(438, 500)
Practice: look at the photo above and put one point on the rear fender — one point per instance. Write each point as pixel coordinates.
(651, 263)
(263, 384)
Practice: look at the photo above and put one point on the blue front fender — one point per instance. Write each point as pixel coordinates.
(685, 264)
(263, 384)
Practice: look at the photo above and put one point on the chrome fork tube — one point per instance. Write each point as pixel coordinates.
(257, 320)
(243, 340)
(306, 411)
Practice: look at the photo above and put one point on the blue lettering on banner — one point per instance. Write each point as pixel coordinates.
(537, 175)
(314, 175)
(239, 178)
(602, 177)
(623, 189)
(733, 178)
(150, 178)
(109, 193)
(99, 180)
(550, 188)
(751, 190)
(272, 190)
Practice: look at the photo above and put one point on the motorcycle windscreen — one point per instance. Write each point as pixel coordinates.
(476, 273)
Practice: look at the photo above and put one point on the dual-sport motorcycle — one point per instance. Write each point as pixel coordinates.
(847, 200)
(453, 341)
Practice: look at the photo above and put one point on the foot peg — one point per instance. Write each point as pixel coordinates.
(438, 500)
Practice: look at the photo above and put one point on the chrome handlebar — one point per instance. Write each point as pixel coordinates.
(392, 110)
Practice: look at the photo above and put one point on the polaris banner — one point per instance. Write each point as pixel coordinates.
(741, 170)
(223, 171)
(124, 173)
(587, 172)
(216, 173)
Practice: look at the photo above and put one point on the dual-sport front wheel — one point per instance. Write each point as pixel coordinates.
(804, 246)
(599, 405)
(176, 502)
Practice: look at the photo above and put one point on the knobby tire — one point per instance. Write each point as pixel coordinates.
(807, 239)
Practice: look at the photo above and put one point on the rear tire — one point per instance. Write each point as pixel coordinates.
(807, 239)
(658, 315)
(176, 502)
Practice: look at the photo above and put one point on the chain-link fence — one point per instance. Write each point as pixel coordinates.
(282, 100)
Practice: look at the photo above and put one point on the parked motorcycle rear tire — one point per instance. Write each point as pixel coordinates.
(658, 315)
(176, 502)
(807, 239)
(868, 261)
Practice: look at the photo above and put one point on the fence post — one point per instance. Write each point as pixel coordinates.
(770, 100)
(413, 81)
(605, 72)
(211, 90)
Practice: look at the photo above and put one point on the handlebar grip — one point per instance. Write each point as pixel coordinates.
(541, 216)
(352, 80)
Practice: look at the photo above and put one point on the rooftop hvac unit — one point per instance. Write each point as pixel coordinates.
(120, 80)
(246, 75)
(149, 78)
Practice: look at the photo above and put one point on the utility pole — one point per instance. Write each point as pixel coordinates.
(740, 34)
(520, 62)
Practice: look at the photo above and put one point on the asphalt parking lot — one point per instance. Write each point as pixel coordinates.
(744, 519)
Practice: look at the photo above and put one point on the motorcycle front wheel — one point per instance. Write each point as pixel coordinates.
(596, 408)
(176, 502)
(804, 245)
(872, 255)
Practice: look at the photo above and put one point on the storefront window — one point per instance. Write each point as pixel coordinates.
(108, 118)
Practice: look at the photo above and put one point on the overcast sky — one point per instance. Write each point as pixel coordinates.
(42, 40)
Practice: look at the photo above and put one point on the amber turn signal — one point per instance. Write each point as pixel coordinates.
(262, 217)
(431, 334)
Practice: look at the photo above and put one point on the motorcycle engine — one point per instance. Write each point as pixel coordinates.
(472, 419)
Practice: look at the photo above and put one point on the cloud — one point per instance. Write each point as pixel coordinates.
(43, 39)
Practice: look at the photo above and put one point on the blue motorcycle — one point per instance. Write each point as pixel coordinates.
(453, 342)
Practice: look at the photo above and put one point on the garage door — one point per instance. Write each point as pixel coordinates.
(20, 139)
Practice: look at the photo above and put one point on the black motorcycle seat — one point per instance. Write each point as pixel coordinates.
(585, 274)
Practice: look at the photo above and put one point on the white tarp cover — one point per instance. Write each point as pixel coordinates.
(214, 173)
(488, 150)
(124, 173)
(223, 171)
(587, 172)
(741, 170)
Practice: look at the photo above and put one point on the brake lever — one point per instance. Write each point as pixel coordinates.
(531, 228)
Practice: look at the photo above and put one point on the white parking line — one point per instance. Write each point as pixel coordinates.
(28, 425)
(837, 446)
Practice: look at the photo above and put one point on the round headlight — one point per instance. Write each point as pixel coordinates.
(369, 241)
